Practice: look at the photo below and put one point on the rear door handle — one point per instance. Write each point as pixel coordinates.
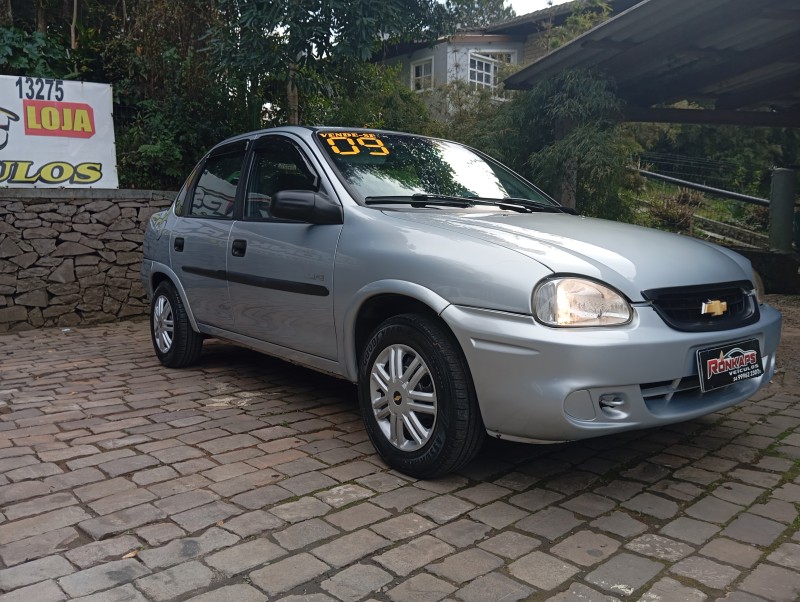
(178, 244)
(239, 248)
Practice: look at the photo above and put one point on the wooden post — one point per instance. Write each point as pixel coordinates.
(781, 209)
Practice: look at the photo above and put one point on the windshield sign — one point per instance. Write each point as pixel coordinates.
(380, 165)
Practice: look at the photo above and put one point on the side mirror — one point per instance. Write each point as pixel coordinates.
(306, 206)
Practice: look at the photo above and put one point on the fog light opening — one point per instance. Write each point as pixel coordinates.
(613, 405)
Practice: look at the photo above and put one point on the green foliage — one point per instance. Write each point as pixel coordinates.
(585, 15)
(32, 53)
(479, 13)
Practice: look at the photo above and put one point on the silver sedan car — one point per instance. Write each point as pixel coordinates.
(460, 298)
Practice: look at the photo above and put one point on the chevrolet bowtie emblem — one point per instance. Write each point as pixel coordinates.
(715, 307)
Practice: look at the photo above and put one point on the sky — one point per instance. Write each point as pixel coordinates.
(523, 7)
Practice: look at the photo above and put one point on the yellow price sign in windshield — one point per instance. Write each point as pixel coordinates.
(345, 143)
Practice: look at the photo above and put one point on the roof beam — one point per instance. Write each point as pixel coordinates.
(711, 117)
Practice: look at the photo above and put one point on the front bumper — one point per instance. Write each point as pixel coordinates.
(536, 383)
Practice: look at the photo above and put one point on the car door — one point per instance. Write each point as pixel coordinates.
(281, 272)
(199, 240)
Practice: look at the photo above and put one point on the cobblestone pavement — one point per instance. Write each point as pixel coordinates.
(250, 479)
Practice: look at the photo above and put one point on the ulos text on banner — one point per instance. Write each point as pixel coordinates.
(56, 133)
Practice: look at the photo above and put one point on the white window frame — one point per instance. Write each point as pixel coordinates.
(483, 67)
(414, 78)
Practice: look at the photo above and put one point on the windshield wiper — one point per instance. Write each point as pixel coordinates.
(419, 199)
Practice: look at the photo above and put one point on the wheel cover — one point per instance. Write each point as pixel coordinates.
(163, 324)
(403, 397)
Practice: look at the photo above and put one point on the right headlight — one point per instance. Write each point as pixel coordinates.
(579, 302)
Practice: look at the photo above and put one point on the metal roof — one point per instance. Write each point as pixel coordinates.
(738, 58)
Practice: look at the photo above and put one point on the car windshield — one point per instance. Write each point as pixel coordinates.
(380, 165)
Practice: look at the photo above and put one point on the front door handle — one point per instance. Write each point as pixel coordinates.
(239, 248)
(178, 244)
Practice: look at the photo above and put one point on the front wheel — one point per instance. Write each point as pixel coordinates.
(417, 397)
(174, 341)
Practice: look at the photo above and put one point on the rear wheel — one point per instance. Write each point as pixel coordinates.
(174, 341)
(417, 397)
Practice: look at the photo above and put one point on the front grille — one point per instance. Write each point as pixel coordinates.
(681, 307)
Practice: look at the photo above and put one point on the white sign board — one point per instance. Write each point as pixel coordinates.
(56, 134)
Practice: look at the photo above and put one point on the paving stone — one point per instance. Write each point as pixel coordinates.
(302, 509)
(659, 547)
(262, 496)
(688, 529)
(301, 534)
(706, 572)
(619, 523)
(578, 591)
(483, 493)
(551, 523)
(153, 475)
(101, 458)
(102, 551)
(669, 590)
(104, 576)
(755, 477)
(127, 465)
(36, 525)
(731, 552)
(646, 472)
(542, 570)
(589, 504)
(123, 593)
(357, 516)
(382, 482)
(22, 491)
(344, 495)
(535, 499)
(177, 581)
(252, 523)
(420, 588)
(185, 501)
(788, 555)
(678, 490)
(494, 586)
(620, 490)
(120, 501)
(736, 493)
(713, 510)
(402, 498)
(413, 555)
(624, 574)
(510, 544)
(355, 582)
(652, 505)
(187, 548)
(34, 571)
(444, 508)
(160, 533)
(285, 574)
(37, 546)
(586, 548)
(466, 566)
(46, 591)
(461, 533)
(39, 505)
(117, 522)
(95, 491)
(239, 592)
(498, 514)
(204, 516)
(777, 510)
(350, 548)
(754, 529)
(403, 526)
(244, 557)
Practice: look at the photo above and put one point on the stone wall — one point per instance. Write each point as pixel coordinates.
(71, 257)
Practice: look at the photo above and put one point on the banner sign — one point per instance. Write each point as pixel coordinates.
(56, 134)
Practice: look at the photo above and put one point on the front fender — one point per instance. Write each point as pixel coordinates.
(347, 345)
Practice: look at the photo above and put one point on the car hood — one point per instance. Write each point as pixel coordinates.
(631, 258)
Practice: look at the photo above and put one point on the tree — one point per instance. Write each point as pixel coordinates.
(475, 14)
(262, 44)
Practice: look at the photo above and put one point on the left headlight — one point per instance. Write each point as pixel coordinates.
(575, 302)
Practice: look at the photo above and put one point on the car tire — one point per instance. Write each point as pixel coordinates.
(417, 398)
(175, 342)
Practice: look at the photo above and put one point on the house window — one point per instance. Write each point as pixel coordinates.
(422, 75)
(484, 68)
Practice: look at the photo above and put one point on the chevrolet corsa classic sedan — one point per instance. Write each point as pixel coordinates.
(460, 298)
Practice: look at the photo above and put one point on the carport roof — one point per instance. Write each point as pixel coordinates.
(738, 58)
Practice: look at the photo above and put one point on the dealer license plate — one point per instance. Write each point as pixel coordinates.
(723, 366)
